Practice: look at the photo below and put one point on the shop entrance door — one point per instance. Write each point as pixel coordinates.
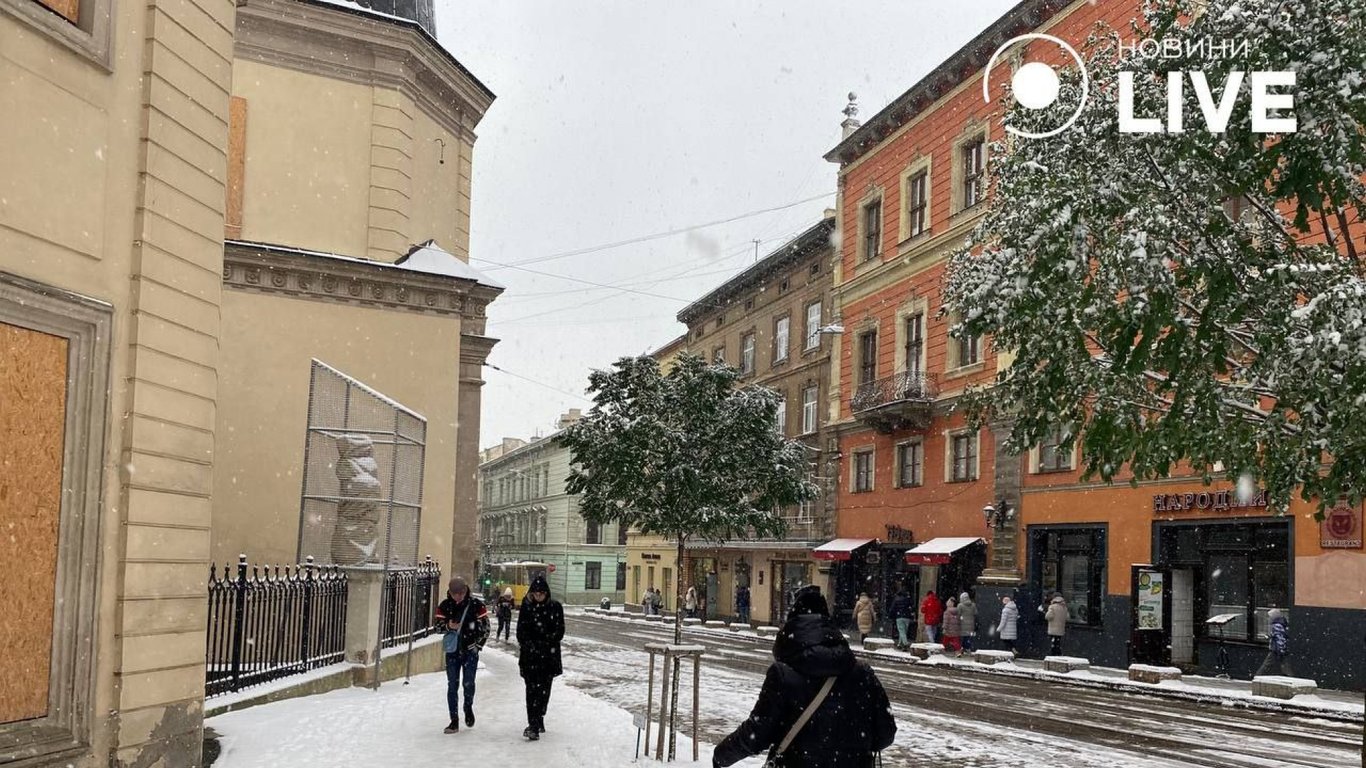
(1183, 616)
(787, 579)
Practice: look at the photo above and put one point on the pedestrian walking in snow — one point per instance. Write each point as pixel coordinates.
(1056, 616)
(819, 706)
(742, 603)
(953, 627)
(658, 603)
(903, 611)
(540, 628)
(932, 613)
(865, 616)
(967, 612)
(1009, 627)
(690, 602)
(1278, 647)
(465, 621)
(503, 610)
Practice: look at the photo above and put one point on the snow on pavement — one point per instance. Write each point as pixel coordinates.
(401, 725)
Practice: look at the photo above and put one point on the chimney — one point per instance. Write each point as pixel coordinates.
(572, 416)
(851, 122)
(829, 213)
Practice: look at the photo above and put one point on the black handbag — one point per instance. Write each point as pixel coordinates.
(775, 760)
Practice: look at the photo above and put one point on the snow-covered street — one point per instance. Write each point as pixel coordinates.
(944, 717)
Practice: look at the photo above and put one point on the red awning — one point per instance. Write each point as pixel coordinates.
(938, 551)
(839, 549)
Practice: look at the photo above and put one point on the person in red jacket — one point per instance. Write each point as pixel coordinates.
(932, 612)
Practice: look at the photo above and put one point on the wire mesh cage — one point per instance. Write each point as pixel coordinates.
(363, 461)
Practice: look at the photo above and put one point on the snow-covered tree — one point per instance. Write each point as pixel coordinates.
(685, 454)
(1194, 296)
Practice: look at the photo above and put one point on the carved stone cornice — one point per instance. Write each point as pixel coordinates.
(263, 268)
(362, 47)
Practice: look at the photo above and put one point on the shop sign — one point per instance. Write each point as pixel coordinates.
(898, 535)
(1150, 600)
(1341, 528)
(1215, 500)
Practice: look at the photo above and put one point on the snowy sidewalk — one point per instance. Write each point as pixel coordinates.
(401, 725)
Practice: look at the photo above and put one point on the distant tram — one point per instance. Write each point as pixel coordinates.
(517, 575)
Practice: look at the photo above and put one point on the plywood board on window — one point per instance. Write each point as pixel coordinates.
(33, 372)
(69, 9)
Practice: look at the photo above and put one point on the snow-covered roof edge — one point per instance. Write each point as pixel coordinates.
(476, 276)
(369, 390)
(432, 259)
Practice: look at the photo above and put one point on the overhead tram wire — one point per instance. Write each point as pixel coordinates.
(537, 383)
(647, 238)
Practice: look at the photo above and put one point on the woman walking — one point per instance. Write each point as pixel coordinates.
(504, 613)
(540, 628)
(967, 612)
(819, 707)
(933, 612)
(1009, 626)
(953, 628)
(1056, 616)
(865, 616)
(690, 602)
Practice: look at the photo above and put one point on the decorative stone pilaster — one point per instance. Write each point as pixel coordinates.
(364, 593)
(1004, 563)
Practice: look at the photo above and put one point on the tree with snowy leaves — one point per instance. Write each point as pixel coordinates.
(688, 454)
(1195, 296)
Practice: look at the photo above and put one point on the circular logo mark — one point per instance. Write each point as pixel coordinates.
(1036, 84)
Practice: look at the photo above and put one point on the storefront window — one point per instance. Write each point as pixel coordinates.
(1071, 561)
(1242, 568)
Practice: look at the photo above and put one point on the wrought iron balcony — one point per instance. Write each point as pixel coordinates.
(902, 401)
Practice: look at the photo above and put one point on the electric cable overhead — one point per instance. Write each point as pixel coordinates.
(537, 383)
(647, 238)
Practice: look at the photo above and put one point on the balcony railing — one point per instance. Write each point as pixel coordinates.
(901, 401)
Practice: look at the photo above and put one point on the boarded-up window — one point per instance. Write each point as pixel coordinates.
(68, 9)
(33, 374)
(237, 167)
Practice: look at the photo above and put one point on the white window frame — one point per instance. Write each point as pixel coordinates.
(780, 423)
(854, 458)
(901, 448)
(950, 459)
(782, 338)
(810, 408)
(813, 329)
(747, 348)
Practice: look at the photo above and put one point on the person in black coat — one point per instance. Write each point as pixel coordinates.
(464, 621)
(540, 628)
(903, 612)
(852, 724)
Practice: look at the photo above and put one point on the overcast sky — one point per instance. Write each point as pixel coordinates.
(617, 120)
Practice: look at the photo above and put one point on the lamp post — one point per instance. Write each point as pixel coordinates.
(998, 514)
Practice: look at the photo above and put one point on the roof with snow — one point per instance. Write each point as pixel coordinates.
(435, 260)
(786, 255)
(961, 66)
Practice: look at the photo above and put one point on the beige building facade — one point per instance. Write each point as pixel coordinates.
(150, 386)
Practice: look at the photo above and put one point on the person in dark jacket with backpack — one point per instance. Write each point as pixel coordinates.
(465, 622)
(851, 724)
(540, 628)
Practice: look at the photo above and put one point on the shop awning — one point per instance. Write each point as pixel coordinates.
(939, 551)
(839, 549)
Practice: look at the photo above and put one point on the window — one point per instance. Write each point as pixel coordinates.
(747, 353)
(963, 457)
(783, 286)
(867, 368)
(1240, 568)
(910, 465)
(915, 343)
(592, 576)
(974, 163)
(809, 408)
(969, 350)
(813, 325)
(749, 304)
(593, 533)
(621, 577)
(815, 269)
(917, 203)
(863, 471)
(780, 422)
(622, 530)
(872, 229)
(1052, 457)
(81, 25)
(720, 320)
(718, 355)
(781, 338)
(1071, 561)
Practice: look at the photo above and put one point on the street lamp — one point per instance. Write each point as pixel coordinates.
(997, 515)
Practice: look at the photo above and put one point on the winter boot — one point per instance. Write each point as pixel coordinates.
(469, 717)
(454, 727)
(531, 734)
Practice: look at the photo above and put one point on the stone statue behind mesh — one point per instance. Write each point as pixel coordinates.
(356, 537)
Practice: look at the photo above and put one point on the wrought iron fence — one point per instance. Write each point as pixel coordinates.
(271, 623)
(902, 387)
(410, 599)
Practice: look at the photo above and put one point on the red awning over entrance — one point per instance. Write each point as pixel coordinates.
(939, 551)
(839, 549)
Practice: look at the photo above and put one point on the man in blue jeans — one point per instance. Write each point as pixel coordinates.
(465, 621)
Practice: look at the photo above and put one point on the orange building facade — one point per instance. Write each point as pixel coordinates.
(927, 503)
